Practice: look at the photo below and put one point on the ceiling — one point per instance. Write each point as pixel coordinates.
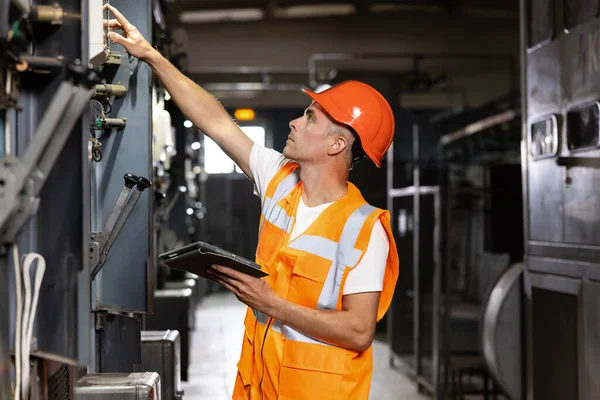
(251, 50)
(203, 11)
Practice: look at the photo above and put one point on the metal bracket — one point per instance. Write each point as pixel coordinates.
(108, 90)
(114, 58)
(101, 242)
(21, 180)
(100, 319)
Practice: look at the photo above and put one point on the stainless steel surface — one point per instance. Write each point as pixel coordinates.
(133, 386)
(161, 353)
(560, 77)
(501, 342)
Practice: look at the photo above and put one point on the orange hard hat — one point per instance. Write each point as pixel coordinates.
(365, 110)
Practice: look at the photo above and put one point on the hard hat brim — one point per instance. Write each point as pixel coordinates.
(342, 118)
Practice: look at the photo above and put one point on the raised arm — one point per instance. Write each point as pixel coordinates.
(198, 105)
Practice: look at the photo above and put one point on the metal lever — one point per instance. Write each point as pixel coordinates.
(101, 242)
(130, 181)
(142, 185)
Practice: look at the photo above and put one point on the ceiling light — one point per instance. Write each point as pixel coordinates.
(315, 10)
(244, 114)
(195, 146)
(235, 14)
(187, 123)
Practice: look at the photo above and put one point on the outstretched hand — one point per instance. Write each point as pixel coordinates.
(131, 39)
(254, 292)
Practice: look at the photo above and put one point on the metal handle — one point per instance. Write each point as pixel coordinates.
(130, 181)
(127, 208)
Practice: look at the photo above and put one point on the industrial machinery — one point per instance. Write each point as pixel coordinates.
(458, 289)
(70, 128)
(161, 352)
(561, 140)
(134, 386)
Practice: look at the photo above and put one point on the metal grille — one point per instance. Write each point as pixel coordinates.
(58, 384)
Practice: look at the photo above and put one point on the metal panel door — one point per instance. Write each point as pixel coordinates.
(125, 281)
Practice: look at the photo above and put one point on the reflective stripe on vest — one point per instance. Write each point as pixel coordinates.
(341, 255)
(273, 212)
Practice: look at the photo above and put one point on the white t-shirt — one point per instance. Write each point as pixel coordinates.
(368, 275)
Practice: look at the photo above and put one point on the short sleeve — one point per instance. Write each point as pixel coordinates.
(264, 164)
(368, 275)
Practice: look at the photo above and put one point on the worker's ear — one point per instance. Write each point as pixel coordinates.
(337, 145)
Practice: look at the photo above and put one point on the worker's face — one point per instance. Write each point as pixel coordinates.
(308, 139)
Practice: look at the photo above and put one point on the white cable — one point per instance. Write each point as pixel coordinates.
(29, 311)
(26, 316)
(18, 323)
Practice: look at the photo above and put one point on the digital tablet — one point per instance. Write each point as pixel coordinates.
(198, 257)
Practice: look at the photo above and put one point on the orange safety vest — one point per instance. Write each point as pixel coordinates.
(311, 270)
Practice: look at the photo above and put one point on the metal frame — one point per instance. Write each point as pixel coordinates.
(555, 133)
(415, 192)
(24, 179)
(577, 109)
(525, 12)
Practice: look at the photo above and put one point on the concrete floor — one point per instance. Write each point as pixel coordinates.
(216, 347)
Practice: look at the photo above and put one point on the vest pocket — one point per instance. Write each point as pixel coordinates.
(246, 363)
(269, 242)
(308, 275)
(311, 371)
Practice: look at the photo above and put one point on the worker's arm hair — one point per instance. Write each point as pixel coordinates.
(204, 111)
(352, 327)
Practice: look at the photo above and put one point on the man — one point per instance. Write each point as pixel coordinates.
(331, 257)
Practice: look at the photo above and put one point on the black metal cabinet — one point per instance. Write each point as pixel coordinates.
(561, 170)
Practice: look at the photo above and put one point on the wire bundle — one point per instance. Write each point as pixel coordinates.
(25, 315)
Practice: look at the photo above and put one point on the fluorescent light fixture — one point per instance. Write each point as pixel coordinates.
(383, 7)
(234, 14)
(187, 123)
(315, 10)
(195, 146)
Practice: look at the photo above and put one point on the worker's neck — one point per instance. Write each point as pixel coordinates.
(322, 184)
